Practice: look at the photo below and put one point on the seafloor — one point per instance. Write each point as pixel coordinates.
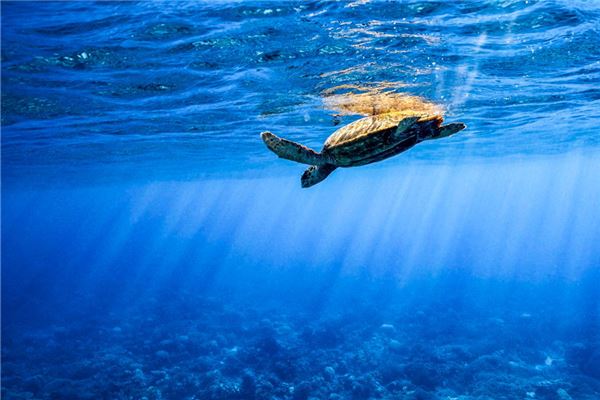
(188, 346)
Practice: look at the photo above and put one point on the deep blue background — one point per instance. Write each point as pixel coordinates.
(141, 213)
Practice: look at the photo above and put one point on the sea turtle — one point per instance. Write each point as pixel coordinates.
(367, 140)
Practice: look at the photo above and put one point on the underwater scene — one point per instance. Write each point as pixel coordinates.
(300, 200)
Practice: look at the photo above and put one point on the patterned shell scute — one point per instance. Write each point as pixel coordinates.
(364, 127)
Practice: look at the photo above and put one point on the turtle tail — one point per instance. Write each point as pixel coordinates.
(291, 150)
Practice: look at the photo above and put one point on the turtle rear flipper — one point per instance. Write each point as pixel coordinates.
(291, 150)
(315, 174)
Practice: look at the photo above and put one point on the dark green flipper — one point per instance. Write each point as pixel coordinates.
(291, 150)
(403, 130)
(315, 174)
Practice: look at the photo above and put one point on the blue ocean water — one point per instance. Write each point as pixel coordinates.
(153, 248)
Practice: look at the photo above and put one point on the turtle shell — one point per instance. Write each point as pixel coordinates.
(375, 138)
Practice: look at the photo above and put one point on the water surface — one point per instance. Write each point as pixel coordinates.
(184, 88)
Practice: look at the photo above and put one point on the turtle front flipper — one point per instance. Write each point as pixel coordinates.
(403, 131)
(291, 150)
(315, 174)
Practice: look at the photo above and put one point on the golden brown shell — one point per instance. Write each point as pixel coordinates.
(360, 129)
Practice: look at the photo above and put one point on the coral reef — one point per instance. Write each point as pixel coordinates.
(215, 350)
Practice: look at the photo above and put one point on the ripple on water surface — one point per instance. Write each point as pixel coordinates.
(188, 86)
